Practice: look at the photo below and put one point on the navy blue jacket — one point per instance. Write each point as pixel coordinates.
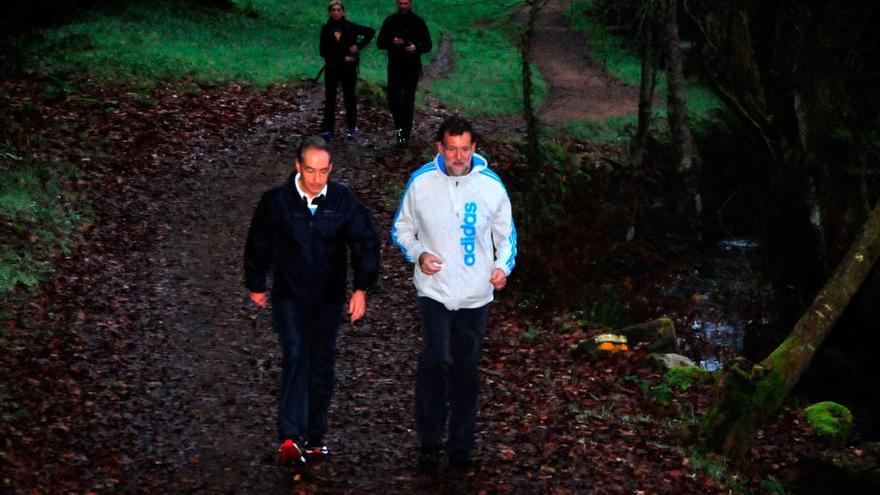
(309, 253)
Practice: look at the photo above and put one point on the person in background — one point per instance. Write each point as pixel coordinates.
(404, 35)
(341, 42)
(305, 230)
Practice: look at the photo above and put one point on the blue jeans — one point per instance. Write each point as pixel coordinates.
(447, 376)
(307, 335)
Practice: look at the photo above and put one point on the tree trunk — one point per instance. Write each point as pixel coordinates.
(749, 395)
(533, 146)
(689, 203)
(646, 87)
(676, 97)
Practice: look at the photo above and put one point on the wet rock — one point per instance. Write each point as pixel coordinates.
(658, 335)
(670, 360)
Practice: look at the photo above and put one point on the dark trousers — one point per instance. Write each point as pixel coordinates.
(307, 335)
(333, 75)
(447, 375)
(401, 98)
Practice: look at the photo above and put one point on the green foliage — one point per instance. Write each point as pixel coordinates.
(487, 80)
(621, 59)
(609, 314)
(830, 420)
(618, 55)
(773, 486)
(263, 42)
(684, 377)
(640, 382)
(36, 222)
(716, 468)
(614, 130)
(532, 334)
(662, 394)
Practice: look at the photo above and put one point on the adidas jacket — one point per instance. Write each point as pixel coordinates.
(465, 221)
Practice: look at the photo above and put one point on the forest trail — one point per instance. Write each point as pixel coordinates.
(217, 360)
(208, 417)
(579, 87)
(175, 373)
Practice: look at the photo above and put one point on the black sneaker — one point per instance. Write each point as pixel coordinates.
(429, 458)
(462, 460)
(402, 141)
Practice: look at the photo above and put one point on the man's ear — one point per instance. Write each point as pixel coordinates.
(439, 148)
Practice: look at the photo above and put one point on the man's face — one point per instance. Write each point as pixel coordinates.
(337, 12)
(314, 170)
(404, 6)
(457, 152)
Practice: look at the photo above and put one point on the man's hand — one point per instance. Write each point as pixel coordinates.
(357, 306)
(498, 279)
(353, 49)
(429, 263)
(397, 40)
(259, 298)
(411, 48)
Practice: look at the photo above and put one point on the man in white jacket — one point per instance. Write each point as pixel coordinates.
(455, 224)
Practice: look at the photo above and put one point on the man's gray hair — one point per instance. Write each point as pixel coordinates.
(312, 143)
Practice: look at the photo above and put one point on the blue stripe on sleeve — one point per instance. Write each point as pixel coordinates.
(511, 261)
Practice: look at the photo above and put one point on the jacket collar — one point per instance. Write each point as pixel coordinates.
(302, 194)
(478, 164)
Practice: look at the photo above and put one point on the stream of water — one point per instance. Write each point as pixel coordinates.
(727, 297)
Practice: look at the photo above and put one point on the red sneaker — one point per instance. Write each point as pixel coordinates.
(290, 452)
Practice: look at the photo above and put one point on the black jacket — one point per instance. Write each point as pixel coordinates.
(309, 253)
(334, 51)
(413, 30)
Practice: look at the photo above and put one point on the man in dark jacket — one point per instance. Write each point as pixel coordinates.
(340, 43)
(304, 230)
(405, 37)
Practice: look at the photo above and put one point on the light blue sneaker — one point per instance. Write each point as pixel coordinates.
(351, 134)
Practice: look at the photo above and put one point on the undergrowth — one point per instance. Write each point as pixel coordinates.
(35, 221)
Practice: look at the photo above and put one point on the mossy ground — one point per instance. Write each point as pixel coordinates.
(829, 419)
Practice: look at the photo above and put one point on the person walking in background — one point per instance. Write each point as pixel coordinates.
(340, 44)
(454, 223)
(305, 230)
(404, 35)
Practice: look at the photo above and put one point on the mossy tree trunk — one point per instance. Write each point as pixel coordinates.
(750, 394)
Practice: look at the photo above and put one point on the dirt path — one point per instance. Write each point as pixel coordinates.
(208, 395)
(210, 407)
(579, 87)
